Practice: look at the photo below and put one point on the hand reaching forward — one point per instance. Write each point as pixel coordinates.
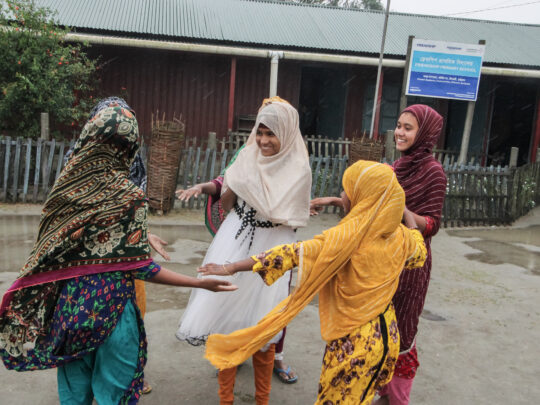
(157, 244)
(192, 192)
(212, 269)
(215, 285)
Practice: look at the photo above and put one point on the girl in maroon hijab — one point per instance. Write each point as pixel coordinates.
(423, 179)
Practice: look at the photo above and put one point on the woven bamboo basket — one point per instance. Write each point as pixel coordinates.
(364, 148)
(163, 162)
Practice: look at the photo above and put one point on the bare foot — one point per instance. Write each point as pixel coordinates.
(285, 373)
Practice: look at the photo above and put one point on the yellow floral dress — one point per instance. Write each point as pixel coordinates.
(354, 366)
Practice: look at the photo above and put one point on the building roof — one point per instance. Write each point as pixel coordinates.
(269, 24)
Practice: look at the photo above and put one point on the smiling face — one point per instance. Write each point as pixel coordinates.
(405, 132)
(267, 141)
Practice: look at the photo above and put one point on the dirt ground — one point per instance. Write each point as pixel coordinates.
(478, 333)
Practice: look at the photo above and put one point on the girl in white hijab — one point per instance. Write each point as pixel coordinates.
(267, 190)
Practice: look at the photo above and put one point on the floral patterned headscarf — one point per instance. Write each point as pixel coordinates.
(93, 221)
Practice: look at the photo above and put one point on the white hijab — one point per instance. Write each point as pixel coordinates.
(278, 186)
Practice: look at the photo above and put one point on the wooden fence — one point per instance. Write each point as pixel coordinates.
(475, 195)
(29, 168)
(200, 166)
(489, 195)
(317, 145)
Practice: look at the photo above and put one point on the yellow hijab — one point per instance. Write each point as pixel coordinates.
(354, 266)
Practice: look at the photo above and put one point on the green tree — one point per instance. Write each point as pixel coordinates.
(40, 72)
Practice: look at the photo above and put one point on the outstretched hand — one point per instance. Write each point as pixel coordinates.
(215, 285)
(317, 204)
(192, 192)
(213, 269)
(157, 244)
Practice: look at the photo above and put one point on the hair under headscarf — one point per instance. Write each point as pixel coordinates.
(354, 267)
(416, 170)
(278, 187)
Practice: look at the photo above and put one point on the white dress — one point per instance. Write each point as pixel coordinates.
(241, 235)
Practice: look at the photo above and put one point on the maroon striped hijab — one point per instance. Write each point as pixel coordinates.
(417, 170)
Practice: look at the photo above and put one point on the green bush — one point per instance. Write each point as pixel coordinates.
(41, 72)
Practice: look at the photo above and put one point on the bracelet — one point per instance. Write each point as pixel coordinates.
(225, 270)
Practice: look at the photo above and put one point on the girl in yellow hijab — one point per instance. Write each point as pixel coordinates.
(355, 268)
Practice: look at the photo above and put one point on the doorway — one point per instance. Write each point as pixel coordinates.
(323, 94)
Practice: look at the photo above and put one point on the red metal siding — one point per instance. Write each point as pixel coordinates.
(253, 84)
(191, 85)
(195, 86)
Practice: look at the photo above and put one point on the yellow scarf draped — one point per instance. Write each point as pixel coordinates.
(354, 267)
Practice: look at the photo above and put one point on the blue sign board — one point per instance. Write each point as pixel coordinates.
(444, 69)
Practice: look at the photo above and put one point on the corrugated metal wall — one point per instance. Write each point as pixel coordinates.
(195, 86)
(191, 85)
(253, 83)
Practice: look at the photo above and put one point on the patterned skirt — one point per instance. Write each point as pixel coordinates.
(357, 365)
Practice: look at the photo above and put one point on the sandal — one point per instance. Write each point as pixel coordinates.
(281, 373)
(147, 388)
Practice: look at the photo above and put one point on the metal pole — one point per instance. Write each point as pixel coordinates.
(403, 98)
(466, 133)
(274, 63)
(468, 125)
(376, 105)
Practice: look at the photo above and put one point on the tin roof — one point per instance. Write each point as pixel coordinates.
(270, 24)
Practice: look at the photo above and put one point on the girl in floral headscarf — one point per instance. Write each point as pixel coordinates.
(354, 267)
(73, 304)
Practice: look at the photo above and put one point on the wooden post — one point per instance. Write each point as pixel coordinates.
(232, 84)
(45, 126)
(212, 140)
(513, 156)
(403, 98)
(6, 166)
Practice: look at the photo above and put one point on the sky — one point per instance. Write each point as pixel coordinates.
(518, 11)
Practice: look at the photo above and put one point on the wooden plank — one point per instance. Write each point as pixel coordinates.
(315, 176)
(6, 167)
(213, 173)
(39, 145)
(204, 176)
(60, 163)
(187, 170)
(16, 169)
(322, 189)
(195, 174)
(223, 161)
(28, 163)
(48, 168)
